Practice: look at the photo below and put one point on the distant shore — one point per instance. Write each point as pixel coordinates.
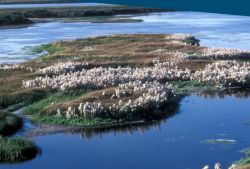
(17, 16)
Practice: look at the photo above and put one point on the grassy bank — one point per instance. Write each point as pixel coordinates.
(13, 19)
(13, 150)
(9, 123)
(102, 51)
(26, 15)
(84, 82)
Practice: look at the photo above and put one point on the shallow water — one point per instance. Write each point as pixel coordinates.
(175, 143)
(214, 30)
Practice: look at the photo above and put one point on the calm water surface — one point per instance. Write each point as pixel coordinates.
(175, 143)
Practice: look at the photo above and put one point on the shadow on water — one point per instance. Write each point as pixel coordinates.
(239, 93)
(172, 109)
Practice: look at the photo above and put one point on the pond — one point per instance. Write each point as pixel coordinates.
(178, 142)
(214, 30)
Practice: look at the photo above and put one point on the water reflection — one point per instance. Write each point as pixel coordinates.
(159, 144)
(89, 133)
(240, 94)
(171, 110)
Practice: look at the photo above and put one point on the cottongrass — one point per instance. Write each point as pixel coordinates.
(63, 68)
(5, 67)
(225, 74)
(98, 78)
(218, 166)
(153, 95)
(182, 39)
(221, 54)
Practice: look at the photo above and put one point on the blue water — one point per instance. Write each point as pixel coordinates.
(175, 143)
(214, 30)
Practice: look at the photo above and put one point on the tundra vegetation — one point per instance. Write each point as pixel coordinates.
(118, 79)
(18, 16)
(14, 149)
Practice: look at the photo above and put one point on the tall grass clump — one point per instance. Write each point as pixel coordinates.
(13, 150)
(9, 123)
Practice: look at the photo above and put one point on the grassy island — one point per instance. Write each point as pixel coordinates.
(109, 80)
(13, 150)
(9, 123)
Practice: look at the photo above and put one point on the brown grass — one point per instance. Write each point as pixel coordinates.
(244, 167)
(115, 50)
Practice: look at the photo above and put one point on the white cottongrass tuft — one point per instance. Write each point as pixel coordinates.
(225, 74)
(152, 96)
(63, 68)
(221, 54)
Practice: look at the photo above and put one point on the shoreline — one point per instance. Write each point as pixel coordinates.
(129, 79)
(19, 16)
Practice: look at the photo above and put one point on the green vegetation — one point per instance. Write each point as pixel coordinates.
(18, 16)
(14, 150)
(75, 121)
(104, 51)
(46, 47)
(71, 12)
(13, 19)
(9, 123)
(191, 86)
(22, 98)
(51, 99)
